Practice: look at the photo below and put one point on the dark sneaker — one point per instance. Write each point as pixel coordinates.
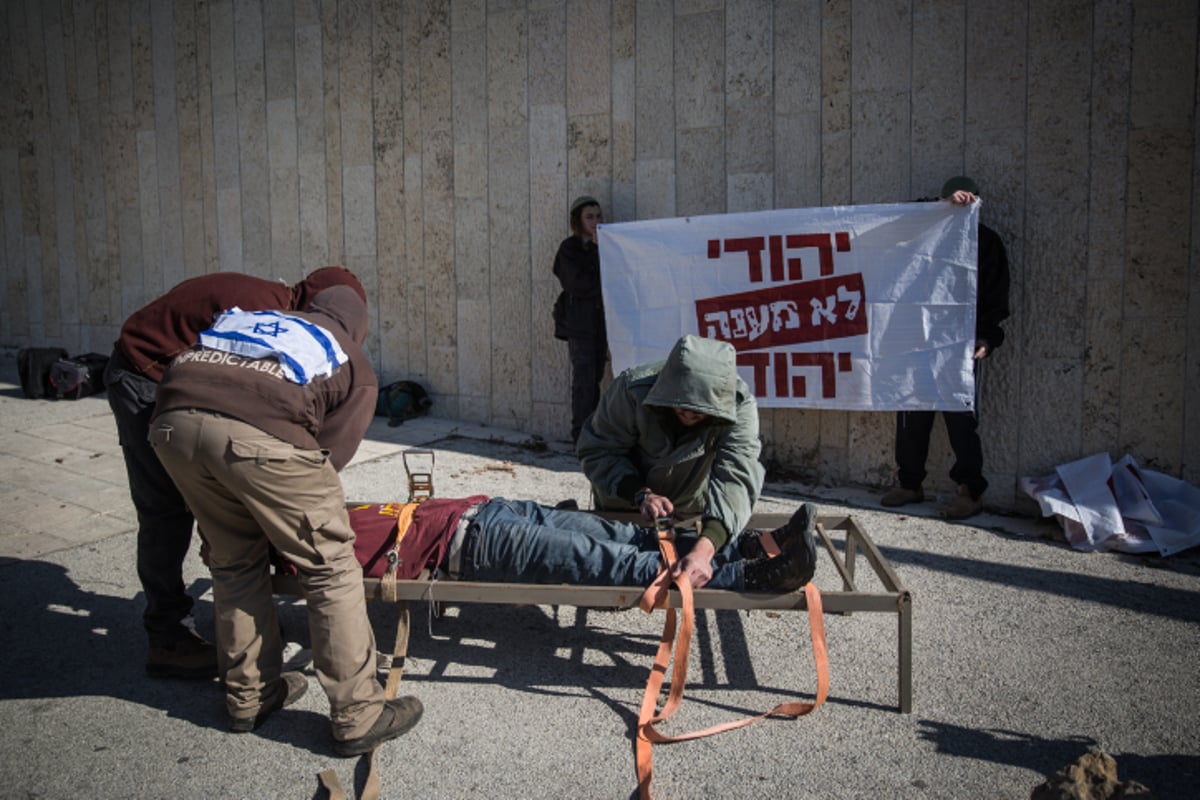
(291, 687)
(789, 570)
(900, 496)
(749, 544)
(398, 717)
(189, 656)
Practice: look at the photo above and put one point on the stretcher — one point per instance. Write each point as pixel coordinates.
(842, 540)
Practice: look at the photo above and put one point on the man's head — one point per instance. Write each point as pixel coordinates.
(698, 380)
(342, 305)
(959, 183)
(321, 279)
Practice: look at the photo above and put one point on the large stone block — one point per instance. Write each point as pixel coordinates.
(655, 129)
(870, 455)
(1164, 73)
(655, 188)
(547, 56)
(1102, 366)
(507, 69)
(699, 71)
(474, 347)
(589, 147)
(750, 191)
(881, 60)
(1153, 392)
(1160, 215)
(880, 138)
(700, 183)
(797, 160)
(995, 66)
(471, 250)
(588, 54)
(1052, 413)
(749, 137)
(358, 193)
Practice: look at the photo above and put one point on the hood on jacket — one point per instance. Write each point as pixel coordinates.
(318, 280)
(343, 306)
(699, 375)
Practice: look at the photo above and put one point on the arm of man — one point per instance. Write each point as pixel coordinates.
(606, 443)
(992, 300)
(349, 413)
(736, 478)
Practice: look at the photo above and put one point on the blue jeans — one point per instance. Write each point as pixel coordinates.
(520, 541)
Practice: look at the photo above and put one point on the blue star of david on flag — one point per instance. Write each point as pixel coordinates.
(272, 329)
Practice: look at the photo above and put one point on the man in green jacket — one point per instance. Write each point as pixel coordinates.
(679, 437)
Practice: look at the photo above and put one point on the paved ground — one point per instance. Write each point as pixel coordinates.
(1026, 655)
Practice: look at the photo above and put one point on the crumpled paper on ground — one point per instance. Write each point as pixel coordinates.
(1106, 506)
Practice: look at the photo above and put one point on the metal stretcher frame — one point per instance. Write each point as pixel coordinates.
(894, 598)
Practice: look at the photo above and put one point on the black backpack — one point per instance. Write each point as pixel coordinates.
(73, 378)
(402, 400)
(33, 366)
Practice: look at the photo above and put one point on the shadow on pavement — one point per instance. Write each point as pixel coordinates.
(1166, 775)
(1163, 601)
(61, 640)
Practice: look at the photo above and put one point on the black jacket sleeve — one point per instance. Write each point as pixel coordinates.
(992, 299)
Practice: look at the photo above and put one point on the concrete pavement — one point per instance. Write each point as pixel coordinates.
(1026, 654)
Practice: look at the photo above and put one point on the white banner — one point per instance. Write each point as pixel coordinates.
(866, 308)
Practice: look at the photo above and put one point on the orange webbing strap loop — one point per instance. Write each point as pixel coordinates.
(769, 545)
(655, 596)
(387, 584)
(399, 653)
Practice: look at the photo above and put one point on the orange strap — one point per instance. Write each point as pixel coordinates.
(387, 584)
(656, 596)
(372, 787)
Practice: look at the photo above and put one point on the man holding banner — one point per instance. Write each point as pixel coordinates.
(913, 428)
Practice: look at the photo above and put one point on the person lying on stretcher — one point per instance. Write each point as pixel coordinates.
(521, 541)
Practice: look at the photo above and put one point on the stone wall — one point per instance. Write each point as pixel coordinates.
(433, 148)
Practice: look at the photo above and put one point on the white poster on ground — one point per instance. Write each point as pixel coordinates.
(852, 307)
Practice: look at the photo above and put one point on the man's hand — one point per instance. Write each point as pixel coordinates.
(962, 198)
(981, 349)
(697, 565)
(655, 506)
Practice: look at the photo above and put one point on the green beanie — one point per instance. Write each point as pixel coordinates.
(581, 201)
(959, 183)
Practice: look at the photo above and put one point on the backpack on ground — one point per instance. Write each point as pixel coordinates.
(33, 365)
(402, 400)
(81, 376)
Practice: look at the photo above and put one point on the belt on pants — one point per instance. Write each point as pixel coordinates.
(462, 543)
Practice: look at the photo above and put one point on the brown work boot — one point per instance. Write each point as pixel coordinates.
(290, 688)
(789, 570)
(749, 543)
(902, 496)
(189, 656)
(962, 506)
(398, 717)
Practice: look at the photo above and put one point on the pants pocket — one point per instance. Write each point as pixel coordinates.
(327, 527)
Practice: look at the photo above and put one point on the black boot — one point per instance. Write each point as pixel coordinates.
(805, 517)
(789, 570)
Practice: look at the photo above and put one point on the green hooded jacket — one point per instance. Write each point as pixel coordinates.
(634, 440)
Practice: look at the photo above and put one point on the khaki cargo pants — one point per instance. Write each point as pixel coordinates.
(248, 489)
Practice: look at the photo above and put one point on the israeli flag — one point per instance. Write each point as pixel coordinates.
(304, 350)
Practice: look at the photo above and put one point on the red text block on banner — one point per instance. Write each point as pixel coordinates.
(786, 314)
